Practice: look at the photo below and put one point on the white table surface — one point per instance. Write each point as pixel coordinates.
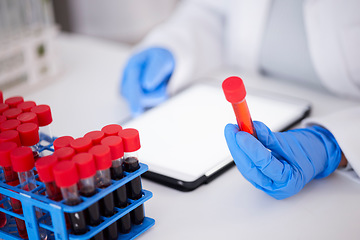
(85, 98)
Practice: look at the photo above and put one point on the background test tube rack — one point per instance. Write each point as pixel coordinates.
(53, 219)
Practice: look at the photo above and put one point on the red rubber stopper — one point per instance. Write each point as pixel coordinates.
(2, 118)
(85, 164)
(3, 107)
(65, 174)
(12, 113)
(234, 89)
(116, 146)
(44, 167)
(95, 136)
(22, 159)
(63, 141)
(5, 149)
(102, 156)
(81, 144)
(11, 124)
(10, 136)
(29, 134)
(26, 106)
(64, 153)
(111, 129)
(43, 113)
(28, 117)
(14, 101)
(131, 139)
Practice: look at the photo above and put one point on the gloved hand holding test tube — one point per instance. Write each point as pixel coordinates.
(235, 93)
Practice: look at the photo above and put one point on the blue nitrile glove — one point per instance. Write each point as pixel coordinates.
(145, 78)
(295, 157)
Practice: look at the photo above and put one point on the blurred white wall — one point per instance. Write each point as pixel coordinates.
(121, 20)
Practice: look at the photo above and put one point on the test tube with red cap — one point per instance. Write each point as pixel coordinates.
(102, 158)
(65, 153)
(28, 117)
(44, 116)
(14, 101)
(117, 172)
(26, 106)
(95, 136)
(11, 178)
(63, 141)
(29, 136)
(3, 107)
(22, 160)
(131, 140)
(10, 136)
(81, 144)
(86, 168)
(235, 93)
(111, 129)
(66, 178)
(12, 113)
(11, 124)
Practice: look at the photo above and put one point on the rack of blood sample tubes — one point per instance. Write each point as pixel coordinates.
(65, 188)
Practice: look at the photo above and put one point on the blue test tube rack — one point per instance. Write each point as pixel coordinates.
(53, 219)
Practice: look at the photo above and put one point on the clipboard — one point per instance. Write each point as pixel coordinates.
(182, 139)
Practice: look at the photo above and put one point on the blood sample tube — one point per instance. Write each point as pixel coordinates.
(63, 141)
(81, 144)
(29, 136)
(11, 178)
(11, 124)
(43, 113)
(3, 107)
(117, 153)
(86, 168)
(102, 158)
(44, 167)
(10, 136)
(22, 160)
(26, 106)
(28, 117)
(65, 153)
(131, 142)
(14, 101)
(111, 129)
(95, 136)
(235, 93)
(66, 178)
(12, 113)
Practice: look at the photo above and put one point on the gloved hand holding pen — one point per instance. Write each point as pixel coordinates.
(281, 163)
(145, 78)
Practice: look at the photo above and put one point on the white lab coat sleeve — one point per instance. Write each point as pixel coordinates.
(194, 35)
(345, 126)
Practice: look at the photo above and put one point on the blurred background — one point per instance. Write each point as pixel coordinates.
(28, 29)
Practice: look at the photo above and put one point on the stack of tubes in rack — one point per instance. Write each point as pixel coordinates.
(76, 167)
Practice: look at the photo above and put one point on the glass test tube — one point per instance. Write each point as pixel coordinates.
(131, 141)
(22, 160)
(66, 178)
(86, 168)
(29, 136)
(11, 178)
(43, 113)
(235, 93)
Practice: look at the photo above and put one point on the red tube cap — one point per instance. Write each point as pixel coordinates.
(116, 146)
(11, 124)
(5, 149)
(12, 113)
(131, 139)
(81, 144)
(64, 153)
(234, 89)
(28, 117)
(22, 159)
(85, 164)
(63, 141)
(10, 136)
(102, 156)
(29, 134)
(43, 113)
(3, 107)
(2, 118)
(111, 129)
(14, 101)
(65, 174)
(95, 136)
(26, 106)
(44, 167)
